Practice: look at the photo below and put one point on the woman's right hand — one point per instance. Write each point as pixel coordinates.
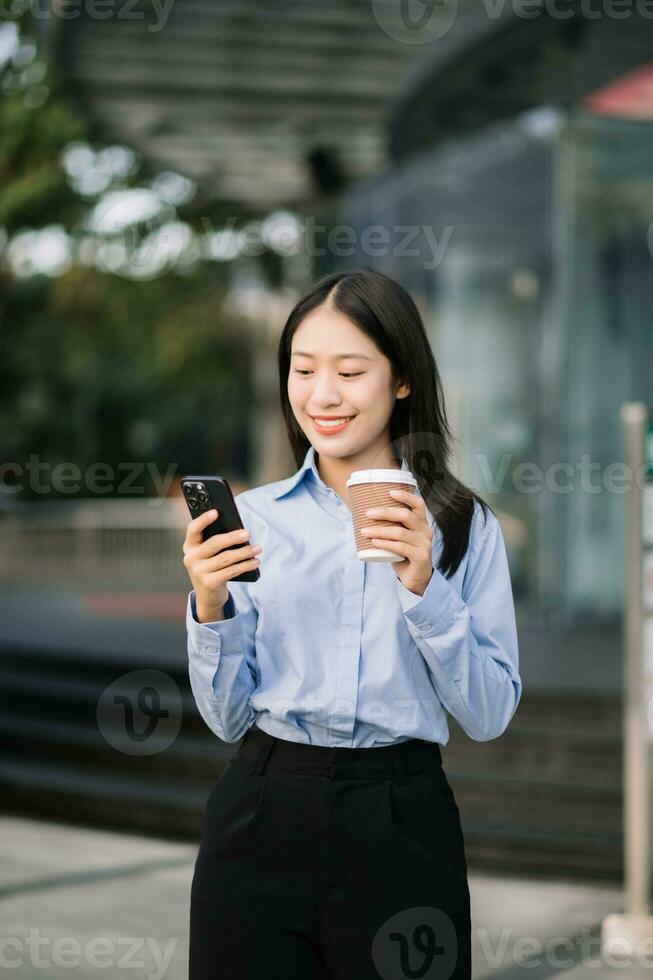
(210, 566)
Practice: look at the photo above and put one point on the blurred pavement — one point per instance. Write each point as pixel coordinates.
(124, 899)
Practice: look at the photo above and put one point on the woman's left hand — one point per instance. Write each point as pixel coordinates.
(411, 537)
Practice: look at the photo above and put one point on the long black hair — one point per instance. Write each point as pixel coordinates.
(387, 314)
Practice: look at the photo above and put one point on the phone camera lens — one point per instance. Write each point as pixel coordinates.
(187, 489)
(203, 497)
(192, 502)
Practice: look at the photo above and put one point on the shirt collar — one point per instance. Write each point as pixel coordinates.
(308, 466)
(308, 470)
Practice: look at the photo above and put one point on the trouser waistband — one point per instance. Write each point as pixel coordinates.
(377, 762)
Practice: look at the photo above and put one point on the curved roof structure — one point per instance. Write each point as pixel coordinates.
(267, 103)
(273, 103)
(493, 67)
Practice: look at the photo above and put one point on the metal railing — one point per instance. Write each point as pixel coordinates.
(97, 544)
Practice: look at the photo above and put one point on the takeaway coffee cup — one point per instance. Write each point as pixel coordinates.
(369, 488)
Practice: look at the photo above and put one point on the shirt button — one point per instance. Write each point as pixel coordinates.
(210, 650)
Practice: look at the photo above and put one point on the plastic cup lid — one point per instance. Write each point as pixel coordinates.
(381, 476)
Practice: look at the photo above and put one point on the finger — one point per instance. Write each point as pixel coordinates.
(226, 558)
(412, 500)
(393, 514)
(217, 542)
(233, 570)
(197, 525)
(403, 548)
(395, 532)
(398, 533)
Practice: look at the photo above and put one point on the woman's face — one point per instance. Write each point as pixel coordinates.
(326, 383)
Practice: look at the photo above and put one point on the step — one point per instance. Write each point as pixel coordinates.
(197, 758)
(539, 807)
(124, 802)
(62, 698)
(544, 798)
(99, 799)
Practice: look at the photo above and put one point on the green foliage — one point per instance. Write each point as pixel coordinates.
(34, 191)
(95, 368)
(102, 369)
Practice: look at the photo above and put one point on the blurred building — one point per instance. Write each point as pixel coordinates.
(497, 159)
(505, 154)
(519, 209)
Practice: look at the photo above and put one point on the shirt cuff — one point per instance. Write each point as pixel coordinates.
(435, 611)
(222, 637)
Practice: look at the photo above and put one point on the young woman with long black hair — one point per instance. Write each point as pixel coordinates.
(331, 845)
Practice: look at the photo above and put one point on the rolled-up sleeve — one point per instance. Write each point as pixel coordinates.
(469, 643)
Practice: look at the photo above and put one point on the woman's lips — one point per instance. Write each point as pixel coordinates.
(329, 430)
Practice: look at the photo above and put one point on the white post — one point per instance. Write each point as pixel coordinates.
(620, 933)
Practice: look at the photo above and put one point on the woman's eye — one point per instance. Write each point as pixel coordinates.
(344, 375)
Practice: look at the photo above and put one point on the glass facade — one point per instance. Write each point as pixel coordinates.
(604, 281)
(528, 247)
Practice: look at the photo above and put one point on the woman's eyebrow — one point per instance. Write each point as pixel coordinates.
(336, 357)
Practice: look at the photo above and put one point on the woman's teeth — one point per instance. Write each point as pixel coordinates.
(333, 422)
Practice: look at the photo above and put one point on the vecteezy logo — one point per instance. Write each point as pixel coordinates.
(415, 21)
(418, 943)
(140, 712)
(422, 21)
(421, 454)
(424, 941)
(149, 704)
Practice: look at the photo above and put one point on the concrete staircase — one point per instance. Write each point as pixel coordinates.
(544, 799)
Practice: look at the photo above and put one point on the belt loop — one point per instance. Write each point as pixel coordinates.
(264, 754)
(399, 762)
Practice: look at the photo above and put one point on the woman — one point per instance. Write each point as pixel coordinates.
(331, 845)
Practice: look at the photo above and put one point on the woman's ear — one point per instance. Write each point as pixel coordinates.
(403, 390)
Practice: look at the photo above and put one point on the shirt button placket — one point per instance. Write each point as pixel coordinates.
(349, 637)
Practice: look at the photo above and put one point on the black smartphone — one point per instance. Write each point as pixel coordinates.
(204, 493)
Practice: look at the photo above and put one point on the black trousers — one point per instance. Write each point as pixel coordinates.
(330, 863)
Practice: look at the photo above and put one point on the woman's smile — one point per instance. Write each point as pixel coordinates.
(331, 427)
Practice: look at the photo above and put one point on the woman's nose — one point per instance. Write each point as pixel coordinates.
(325, 394)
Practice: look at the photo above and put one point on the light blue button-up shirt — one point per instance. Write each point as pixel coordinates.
(328, 649)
